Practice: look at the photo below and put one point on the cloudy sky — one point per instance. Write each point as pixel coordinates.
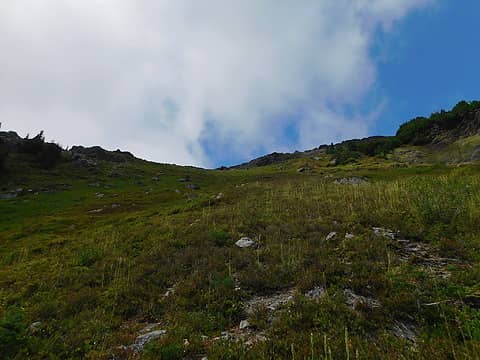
(216, 82)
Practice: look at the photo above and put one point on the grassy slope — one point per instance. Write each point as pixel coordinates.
(92, 279)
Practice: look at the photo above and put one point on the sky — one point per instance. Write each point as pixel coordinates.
(218, 82)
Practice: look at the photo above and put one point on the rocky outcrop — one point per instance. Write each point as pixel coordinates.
(96, 153)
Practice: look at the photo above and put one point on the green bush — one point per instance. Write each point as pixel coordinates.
(46, 155)
(221, 238)
(413, 131)
(173, 351)
(416, 131)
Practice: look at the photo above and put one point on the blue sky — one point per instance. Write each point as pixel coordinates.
(429, 62)
(215, 82)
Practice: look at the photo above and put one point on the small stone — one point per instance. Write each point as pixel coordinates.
(244, 324)
(331, 235)
(382, 232)
(34, 326)
(95, 211)
(220, 196)
(245, 242)
(99, 195)
(349, 236)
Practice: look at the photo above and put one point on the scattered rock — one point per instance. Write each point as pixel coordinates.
(185, 179)
(353, 300)
(155, 178)
(382, 232)
(422, 254)
(331, 235)
(114, 206)
(149, 327)
(178, 191)
(99, 195)
(351, 181)
(270, 302)
(96, 153)
(144, 339)
(349, 236)
(245, 242)
(404, 331)
(315, 293)
(219, 196)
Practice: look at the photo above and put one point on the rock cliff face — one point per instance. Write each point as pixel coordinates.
(10, 140)
(468, 125)
(100, 154)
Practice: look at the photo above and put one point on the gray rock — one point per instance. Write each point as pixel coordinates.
(304, 169)
(331, 235)
(99, 195)
(245, 242)
(34, 327)
(270, 302)
(349, 236)
(315, 293)
(353, 300)
(144, 339)
(404, 331)
(351, 181)
(382, 232)
(244, 324)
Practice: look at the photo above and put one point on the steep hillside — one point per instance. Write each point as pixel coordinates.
(357, 250)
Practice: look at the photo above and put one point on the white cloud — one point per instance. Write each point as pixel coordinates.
(153, 76)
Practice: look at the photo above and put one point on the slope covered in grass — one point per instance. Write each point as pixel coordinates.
(386, 268)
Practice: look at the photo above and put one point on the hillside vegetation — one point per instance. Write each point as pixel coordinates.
(368, 249)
